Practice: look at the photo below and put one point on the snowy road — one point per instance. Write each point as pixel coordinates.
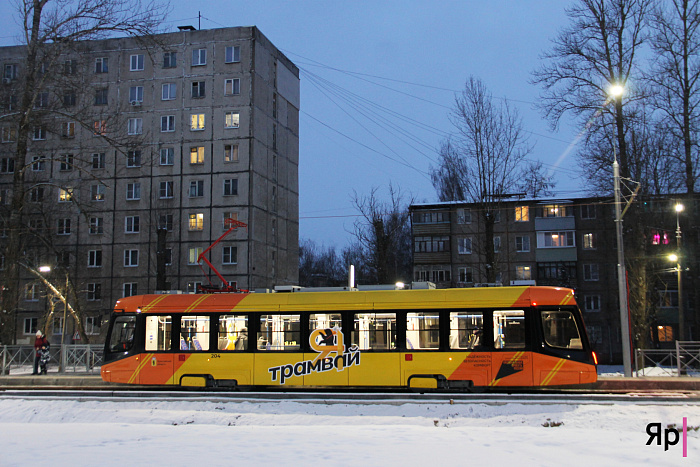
(70, 433)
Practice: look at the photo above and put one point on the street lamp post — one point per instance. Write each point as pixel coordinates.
(681, 319)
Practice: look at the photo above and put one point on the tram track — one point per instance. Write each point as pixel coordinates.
(359, 398)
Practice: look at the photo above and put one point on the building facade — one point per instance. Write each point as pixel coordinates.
(555, 242)
(142, 151)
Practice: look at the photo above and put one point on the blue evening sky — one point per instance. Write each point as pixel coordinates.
(378, 79)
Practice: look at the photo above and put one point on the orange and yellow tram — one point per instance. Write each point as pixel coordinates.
(442, 339)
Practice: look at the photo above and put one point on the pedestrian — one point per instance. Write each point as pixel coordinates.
(44, 357)
(41, 341)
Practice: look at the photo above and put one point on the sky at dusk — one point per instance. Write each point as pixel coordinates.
(378, 80)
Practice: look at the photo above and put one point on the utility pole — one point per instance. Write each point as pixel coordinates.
(622, 277)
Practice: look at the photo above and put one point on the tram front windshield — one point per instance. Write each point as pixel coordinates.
(122, 337)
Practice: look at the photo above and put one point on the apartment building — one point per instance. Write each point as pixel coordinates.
(160, 142)
(555, 242)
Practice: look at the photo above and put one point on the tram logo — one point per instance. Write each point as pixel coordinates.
(509, 368)
(326, 342)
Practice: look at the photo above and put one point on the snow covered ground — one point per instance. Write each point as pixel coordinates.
(188, 433)
(256, 432)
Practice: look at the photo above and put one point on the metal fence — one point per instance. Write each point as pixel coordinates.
(684, 360)
(19, 359)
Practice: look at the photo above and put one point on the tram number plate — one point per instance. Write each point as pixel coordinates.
(215, 355)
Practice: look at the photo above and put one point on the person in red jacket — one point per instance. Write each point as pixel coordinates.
(40, 342)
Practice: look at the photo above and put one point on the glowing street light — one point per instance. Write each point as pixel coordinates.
(616, 90)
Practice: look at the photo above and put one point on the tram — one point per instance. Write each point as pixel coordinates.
(457, 339)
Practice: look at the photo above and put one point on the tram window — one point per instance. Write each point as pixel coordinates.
(158, 332)
(194, 333)
(122, 334)
(466, 330)
(560, 330)
(233, 332)
(374, 331)
(326, 321)
(279, 332)
(509, 329)
(422, 330)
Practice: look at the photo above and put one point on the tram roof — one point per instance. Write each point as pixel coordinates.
(487, 297)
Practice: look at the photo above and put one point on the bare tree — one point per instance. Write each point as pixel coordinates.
(675, 78)
(320, 266)
(598, 50)
(483, 160)
(383, 234)
(53, 30)
(675, 75)
(535, 181)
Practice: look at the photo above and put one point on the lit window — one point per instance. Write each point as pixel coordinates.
(588, 241)
(197, 155)
(554, 210)
(193, 254)
(556, 239)
(65, 195)
(196, 221)
(522, 214)
(523, 273)
(197, 122)
(100, 127)
(232, 120)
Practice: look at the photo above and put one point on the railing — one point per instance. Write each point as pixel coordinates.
(19, 359)
(684, 360)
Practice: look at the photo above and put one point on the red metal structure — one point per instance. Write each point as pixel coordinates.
(225, 287)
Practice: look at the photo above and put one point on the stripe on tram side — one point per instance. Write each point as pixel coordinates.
(553, 372)
(154, 303)
(567, 298)
(510, 362)
(146, 358)
(196, 303)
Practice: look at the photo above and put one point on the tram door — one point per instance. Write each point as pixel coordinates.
(157, 367)
(511, 364)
